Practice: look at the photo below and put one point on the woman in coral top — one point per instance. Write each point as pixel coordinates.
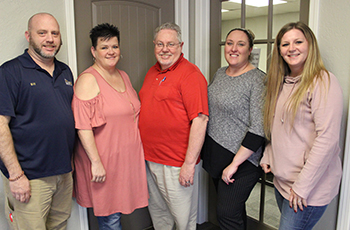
(302, 118)
(110, 174)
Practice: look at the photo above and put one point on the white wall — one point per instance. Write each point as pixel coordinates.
(14, 16)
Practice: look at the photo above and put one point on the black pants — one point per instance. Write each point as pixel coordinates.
(231, 211)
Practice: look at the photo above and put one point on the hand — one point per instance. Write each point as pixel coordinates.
(296, 201)
(20, 189)
(265, 167)
(186, 175)
(228, 173)
(98, 172)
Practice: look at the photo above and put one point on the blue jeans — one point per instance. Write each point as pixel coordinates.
(111, 222)
(301, 220)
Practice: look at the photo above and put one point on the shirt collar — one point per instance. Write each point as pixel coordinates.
(291, 80)
(28, 62)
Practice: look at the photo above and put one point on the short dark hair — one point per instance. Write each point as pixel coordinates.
(105, 31)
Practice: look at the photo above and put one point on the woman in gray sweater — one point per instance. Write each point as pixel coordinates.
(235, 135)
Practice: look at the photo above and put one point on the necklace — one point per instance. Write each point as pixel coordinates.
(131, 104)
(122, 93)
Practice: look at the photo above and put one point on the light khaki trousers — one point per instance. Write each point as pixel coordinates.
(171, 205)
(48, 208)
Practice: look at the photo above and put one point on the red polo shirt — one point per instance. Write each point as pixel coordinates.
(170, 99)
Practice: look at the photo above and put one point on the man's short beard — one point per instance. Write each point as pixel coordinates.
(41, 53)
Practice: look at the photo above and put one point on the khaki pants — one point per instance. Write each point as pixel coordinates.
(171, 205)
(48, 208)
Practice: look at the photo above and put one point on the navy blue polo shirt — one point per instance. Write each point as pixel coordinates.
(42, 123)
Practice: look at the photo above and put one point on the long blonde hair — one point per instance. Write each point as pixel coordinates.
(313, 69)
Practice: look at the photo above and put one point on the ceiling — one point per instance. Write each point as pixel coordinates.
(234, 9)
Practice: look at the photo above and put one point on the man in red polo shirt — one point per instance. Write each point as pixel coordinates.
(173, 121)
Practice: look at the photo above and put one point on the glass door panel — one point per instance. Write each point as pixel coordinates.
(230, 17)
(283, 14)
(256, 19)
(271, 213)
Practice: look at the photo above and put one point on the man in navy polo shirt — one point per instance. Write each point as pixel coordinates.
(37, 131)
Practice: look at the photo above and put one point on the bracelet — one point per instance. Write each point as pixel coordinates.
(17, 177)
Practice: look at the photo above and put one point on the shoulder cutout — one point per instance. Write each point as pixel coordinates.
(86, 87)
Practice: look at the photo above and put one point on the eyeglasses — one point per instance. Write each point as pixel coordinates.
(171, 45)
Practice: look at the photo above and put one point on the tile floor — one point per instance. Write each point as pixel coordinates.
(272, 214)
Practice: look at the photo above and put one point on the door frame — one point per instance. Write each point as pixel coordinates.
(72, 48)
(200, 57)
(72, 63)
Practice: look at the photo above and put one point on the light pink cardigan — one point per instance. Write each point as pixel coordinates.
(305, 157)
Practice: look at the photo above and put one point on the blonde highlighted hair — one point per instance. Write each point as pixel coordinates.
(313, 69)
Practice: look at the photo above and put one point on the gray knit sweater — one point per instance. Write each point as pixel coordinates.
(235, 110)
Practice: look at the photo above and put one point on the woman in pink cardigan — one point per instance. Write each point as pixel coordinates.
(302, 118)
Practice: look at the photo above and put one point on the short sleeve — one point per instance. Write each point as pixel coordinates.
(8, 93)
(88, 114)
(194, 92)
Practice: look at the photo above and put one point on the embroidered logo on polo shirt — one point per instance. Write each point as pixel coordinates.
(68, 82)
(32, 84)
